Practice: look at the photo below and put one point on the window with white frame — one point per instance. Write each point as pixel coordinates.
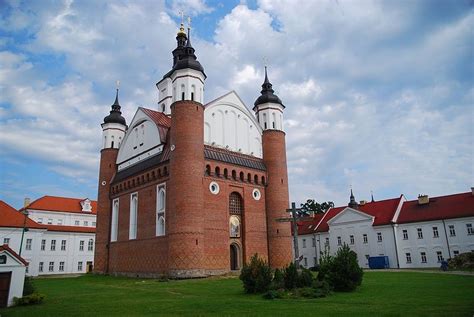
(314, 242)
(43, 244)
(86, 223)
(339, 241)
(29, 242)
(27, 269)
(61, 266)
(79, 266)
(60, 222)
(435, 232)
(351, 238)
(115, 215)
(364, 236)
(315, 261)
(305, 261)
(76, 223)
(423, 257)
(50, 221)
(452, 231)
(379, 236)
(40, 220)
(90, 245)
(94, 223)
(455, 252)
(51, 266)
(469, 228)
(420, 233)
(327, 242)
(132, 232)
(63, 245)
(304, 243)
(160, 209)
(53, 245)
(439, 255)
(408, 256)
(6, 241)
(40, 267)
(81, 245)
(405, 234)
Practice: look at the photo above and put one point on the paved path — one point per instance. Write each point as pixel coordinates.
(466, 273)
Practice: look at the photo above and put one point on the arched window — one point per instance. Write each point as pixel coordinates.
(255, 179)
(163, 107)
(132, 233)
(160, 209)
(236, 206)
(263, 180)
(114, 229)
(274, 120)
(249, 177)
(183, 95)
(208, 170)
(226, 173)
(241, 176)
(234, 175)
(265, 120)
(217, 171)
(165, 171)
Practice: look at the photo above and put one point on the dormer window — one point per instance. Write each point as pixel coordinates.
(86, 205)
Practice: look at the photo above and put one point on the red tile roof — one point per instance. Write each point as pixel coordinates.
(162, 121)
(382, 210)
(6, 248)
(10, 217)
(442, 207)
(308, 227)
(61, 204)
(70, 229)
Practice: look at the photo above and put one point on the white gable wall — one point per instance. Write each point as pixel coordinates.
(230, 125)
(17, 277)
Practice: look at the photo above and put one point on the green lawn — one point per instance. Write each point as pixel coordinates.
(381, 293)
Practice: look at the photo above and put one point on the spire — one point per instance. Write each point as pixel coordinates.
(267, 93)
(115, 115)
(188, 44)
(372, 194)
(352, 202)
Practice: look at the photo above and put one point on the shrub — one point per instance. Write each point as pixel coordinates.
(274, 294)
(257, 276)
(463, 261)
(28, 286)
(341, 271)
(31, 299)
(314, 268)
(278, 279)
(305, 278)
(321, 288)
(291, 276)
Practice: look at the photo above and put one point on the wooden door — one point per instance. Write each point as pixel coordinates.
(5, 278)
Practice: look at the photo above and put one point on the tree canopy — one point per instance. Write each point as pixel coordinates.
(313, 206)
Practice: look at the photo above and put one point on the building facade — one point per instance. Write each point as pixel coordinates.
(412, 234)
(192, 189)
(55, 235)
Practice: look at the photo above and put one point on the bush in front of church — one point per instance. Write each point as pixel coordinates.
(342, 271)
(256, 276)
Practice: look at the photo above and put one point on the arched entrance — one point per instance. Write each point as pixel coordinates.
(234, 257)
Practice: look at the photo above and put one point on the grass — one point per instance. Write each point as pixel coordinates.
(381, 293)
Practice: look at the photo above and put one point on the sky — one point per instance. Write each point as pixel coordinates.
(378, 94)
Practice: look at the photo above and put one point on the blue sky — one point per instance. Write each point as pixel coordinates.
(379, 94)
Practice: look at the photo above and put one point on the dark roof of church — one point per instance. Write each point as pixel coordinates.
(267, 94)
(226, 156)
(115, 115)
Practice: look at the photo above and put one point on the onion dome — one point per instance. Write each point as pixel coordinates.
(352, 202)
(267, 93)
(115, 115)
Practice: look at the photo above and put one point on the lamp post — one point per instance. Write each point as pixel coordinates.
(24, 212)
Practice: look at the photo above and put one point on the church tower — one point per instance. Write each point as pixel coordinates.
(269, 111)
(113, 131)
(185, 222)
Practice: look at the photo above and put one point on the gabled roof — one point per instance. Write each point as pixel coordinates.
(10, 217)
(6, 248)
(382, 210)
(61, 204)
(162, 121)
(308, 227)
(442, 207)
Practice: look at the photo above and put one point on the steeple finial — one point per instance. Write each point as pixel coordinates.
(188, 44)
(266, 76)
(115, 115)
(352, 202)
(372, 194)
(116, 103)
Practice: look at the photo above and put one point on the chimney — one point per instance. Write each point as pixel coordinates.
(423, 199)
(26, 202)
(363, 202)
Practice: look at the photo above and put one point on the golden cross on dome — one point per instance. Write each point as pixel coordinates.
(265, 61)
(117, 84)
(189, 22)
(181, 13)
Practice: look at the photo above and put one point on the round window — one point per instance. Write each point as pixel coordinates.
(256, 194)
(214, 188)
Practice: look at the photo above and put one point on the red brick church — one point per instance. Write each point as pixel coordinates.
(192, 189)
